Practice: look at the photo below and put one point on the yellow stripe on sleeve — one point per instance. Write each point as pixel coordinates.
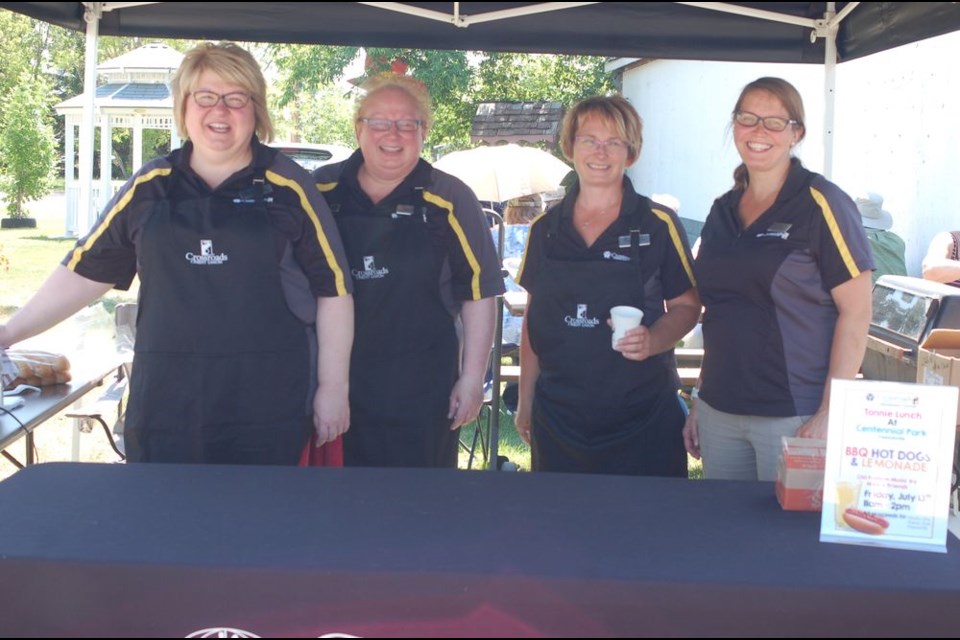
(461, 237)
(279, 180)
(117, 208)
(324, 187)
(677, 243)
(835, 232)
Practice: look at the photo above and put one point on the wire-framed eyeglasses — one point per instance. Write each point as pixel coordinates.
(233, 100)
(589, 143)
(404, 125)
(770, 123)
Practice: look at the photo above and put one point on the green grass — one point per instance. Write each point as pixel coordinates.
(509, 444)
(517, 451)
(29, 255)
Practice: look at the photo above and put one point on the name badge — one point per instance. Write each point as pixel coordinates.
(643, 240)
(404, 210)
(777, 230)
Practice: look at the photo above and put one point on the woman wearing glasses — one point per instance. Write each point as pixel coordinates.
(241, 272)
(426, 274)
(784, 273)
(586, 406)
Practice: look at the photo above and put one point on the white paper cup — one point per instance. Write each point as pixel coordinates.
(624, 318)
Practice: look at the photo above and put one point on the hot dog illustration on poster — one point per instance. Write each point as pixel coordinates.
(889, 464)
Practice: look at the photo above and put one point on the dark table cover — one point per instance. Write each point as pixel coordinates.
(171, 550)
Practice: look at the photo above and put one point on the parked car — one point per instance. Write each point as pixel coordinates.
(310, 156)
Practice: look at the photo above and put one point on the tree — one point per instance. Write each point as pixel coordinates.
(26, 144)
(303, 70)
(458, 81)
(509, 77)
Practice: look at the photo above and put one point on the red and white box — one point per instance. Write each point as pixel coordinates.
(800, 474)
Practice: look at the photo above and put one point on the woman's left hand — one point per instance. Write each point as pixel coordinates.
(815, 427)
(465, 401)
(635, 344)
(331, 413)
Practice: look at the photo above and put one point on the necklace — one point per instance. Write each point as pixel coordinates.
(599, 214)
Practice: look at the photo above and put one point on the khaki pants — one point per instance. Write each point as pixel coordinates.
(736, 447)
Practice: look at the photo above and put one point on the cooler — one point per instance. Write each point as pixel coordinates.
(905, 311)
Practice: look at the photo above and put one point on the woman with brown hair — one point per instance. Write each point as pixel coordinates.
(784, 274)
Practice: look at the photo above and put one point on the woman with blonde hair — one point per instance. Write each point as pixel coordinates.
(586, 407)
(242, 274)
(426, 275)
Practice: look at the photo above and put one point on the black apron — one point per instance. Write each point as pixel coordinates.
(406, 352)
(594, 411)
(221, 365)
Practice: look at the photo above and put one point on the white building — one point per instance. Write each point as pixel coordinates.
(135, 94)
(897, 131)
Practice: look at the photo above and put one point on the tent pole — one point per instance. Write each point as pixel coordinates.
(829, 88)
(85, 217)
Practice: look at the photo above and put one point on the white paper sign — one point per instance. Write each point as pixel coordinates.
(889, 464)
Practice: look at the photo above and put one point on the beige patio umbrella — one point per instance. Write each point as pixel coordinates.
(504, 172)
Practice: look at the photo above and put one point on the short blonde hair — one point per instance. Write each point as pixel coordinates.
(410, 86)
(614, 110)
(232, 64)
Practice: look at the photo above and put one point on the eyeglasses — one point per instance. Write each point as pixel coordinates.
(381, 125)
(233, 100)
(770, 123)
(589, 143)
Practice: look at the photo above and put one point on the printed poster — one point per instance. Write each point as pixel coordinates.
(889, 464)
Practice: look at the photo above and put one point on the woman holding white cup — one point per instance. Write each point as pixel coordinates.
(584, 407)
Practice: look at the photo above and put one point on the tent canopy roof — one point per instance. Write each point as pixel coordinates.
(622, 29)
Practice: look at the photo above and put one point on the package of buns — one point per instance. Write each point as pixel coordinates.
(39, 368)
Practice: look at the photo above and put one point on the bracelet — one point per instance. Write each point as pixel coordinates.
(694, 393)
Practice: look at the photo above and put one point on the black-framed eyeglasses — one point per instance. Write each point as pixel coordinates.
(233, 100)
(770, 123)
(405, 125)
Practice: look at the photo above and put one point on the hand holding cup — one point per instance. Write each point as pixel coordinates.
(623, 318)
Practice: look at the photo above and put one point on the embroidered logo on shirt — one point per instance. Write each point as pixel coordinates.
(777, 230)
(370, 271)
(613, 255)
(582, 320)
(206, 255)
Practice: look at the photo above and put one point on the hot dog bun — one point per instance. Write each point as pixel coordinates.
(865, 522)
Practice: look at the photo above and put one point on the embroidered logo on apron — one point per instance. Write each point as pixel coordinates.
(206, 255)
(581, 320)
(370, 271)
(613, 255)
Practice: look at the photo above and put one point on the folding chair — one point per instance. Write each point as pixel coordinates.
(108, 410)
(487, 431)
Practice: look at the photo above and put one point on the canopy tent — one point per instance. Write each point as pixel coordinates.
(741, 31)
(791, 32)
(798, 32)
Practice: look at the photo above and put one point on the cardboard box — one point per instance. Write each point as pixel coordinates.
(938, 361)
(799, 484)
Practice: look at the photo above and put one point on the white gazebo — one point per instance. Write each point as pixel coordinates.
(136, 95)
